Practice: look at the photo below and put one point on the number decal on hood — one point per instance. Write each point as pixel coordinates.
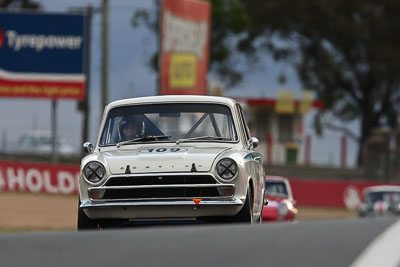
(163, 150)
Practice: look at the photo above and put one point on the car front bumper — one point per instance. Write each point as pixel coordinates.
(161, 210)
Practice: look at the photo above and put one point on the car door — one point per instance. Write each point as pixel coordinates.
(255, 165)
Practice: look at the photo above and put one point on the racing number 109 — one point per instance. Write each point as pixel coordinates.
(163, 150)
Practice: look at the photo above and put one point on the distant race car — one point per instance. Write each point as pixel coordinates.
(281, 205)
(40, 142)
(381, 200)
(167, 158)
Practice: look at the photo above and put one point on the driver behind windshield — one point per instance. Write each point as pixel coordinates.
(129, 128)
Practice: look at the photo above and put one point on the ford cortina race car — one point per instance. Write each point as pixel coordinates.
(171, 158)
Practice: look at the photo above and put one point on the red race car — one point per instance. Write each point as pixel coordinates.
(281, 205)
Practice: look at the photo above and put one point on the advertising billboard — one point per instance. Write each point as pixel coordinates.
(42, 55)
(39, 177)
(185, 34)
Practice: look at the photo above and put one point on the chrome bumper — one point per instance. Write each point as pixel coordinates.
(89, 204)
(158, 210)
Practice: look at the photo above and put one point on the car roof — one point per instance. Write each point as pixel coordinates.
(172, 99)
(377, 188)
(276, 178)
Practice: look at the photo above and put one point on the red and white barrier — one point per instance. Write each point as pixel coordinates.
(39, 177)
(329, 193)
(63, 179)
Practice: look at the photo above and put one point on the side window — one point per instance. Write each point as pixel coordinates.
(243, 126)
(246, 129)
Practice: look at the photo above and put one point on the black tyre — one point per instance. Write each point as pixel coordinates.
(260, 219)
(245, 215)
(84, 222)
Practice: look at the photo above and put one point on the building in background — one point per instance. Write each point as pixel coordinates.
(278, 124)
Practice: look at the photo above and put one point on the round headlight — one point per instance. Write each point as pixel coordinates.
(227, 168)
(94, 171)
(283, 209)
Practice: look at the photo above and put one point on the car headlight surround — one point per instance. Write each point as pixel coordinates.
(227, 169)
(94, 172)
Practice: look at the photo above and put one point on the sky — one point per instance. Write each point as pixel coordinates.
(129, 76)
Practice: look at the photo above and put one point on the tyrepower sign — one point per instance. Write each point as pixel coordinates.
(41, 55)
(39, 177)
(184, 46)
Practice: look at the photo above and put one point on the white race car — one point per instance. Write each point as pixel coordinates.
(171, 158)
(380, 200)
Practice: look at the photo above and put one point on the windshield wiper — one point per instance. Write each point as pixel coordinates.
(206, 137)
(143, 138)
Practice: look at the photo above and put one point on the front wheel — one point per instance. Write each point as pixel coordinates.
(245, 215)
(84, 222)
(260, 219)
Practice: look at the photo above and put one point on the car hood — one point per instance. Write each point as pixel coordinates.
(276, 198)
(272, 205)
(275, 201)
(162, 159)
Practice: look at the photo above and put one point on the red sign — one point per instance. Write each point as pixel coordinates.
(39, 177)
(41, 89)
(184, 46)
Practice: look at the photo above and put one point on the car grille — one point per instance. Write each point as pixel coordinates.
(161, 193)
(160, 180)
(167, 187)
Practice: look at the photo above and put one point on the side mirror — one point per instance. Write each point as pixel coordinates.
(265, 201)
(88, 147)
(253, 142)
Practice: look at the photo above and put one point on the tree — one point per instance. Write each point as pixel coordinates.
(19, 4)
(228, 19)
(348, 52)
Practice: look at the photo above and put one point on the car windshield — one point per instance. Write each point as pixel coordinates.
(276, 188)
(168, 123)
(387, 196)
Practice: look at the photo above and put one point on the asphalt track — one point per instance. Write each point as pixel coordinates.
(318, 243)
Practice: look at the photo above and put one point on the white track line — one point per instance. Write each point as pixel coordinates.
(383, 250)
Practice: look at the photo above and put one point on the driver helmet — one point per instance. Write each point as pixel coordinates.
(129, 120)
